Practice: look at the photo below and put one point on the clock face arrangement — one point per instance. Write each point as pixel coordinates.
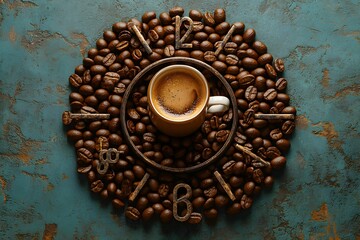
(145, 172)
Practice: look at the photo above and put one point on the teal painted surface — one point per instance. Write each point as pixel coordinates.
(317, 196)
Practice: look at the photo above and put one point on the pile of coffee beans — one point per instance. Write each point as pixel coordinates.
(99, 84)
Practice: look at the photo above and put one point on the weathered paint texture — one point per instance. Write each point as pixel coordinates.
(316, 197)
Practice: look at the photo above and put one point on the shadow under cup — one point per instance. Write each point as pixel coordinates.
(178, 97)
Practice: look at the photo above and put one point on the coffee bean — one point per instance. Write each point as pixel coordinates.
(281, 84)
(276, 134)
(279, 65)
(228, 167)
(222, 28)
(166, 216)
(249, 35)
(259, 47)
(222, 135)
(210, 192)
(132, 213)
(264, 59)
(210, 56)
(219, 15)
(270, 94)
(250, 93)
(246, 201)
(249, 63)
(288, 127)
(221, 201)
(278, 162)
(75, 80)
(245, 79)
(209, 19)
(232, 59)
(289, 109)
(270, 71)
(97, 186)
(176, 11)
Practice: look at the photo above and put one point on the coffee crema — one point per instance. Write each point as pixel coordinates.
(178, 94)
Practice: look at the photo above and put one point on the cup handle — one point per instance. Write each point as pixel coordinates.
(218, 104)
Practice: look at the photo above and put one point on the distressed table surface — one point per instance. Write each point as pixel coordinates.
(316, 197)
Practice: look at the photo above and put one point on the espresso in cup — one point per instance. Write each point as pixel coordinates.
(178, 94)
(179, 98)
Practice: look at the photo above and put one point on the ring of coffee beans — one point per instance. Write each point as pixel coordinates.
(116, 173)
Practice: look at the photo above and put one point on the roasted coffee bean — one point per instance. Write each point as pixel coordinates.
(75, 80)
(133, 114)
(264, 59)
(288, 127)
(259, 47)
(232, 59)
(252, 133)
(195, 218)
(206, 127)
(276, 134)
(219, 15)
(197, 54)
(222, 135)
(251, 93)
(195, 15)
(240, 138)
(268, 181)
(210, 56)
(132, 213)
(249, 35)
(221, 201)
(222, 28)
(258, 176)
(176, 11)
(289, 110)
(211, 214)
(281, 84)
(210, 192)
(239, 27)
(97, 186)
(249, 117)
(283, 144)
(169, 51)
(279, 65)
(249, 63)
(147, 16)
(272, 152)
(98, 69)
(270, 94)
(270, 71)
(245, 79)
(228, 167)
(166, 216)
(209, 19)
(246, 201)
(181, 53)
(149, 137)
(278, 162)
(148, 213)
(84, 156)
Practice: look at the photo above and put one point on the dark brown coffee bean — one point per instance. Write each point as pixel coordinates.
(147, 16)
(153, 36)
(239, 27)
(98, 69)
(209, 19)
(166, 216)
(222, 28)
(84, 156)
(197, 54)
(221, 201)
(249, 117)
(219, 15)
(281, 84)
(259, 47)
(270, 71)
(109, 59)
(195, 218)
(249, 63)
(210, 192)
(181, 53)
(220, 66)
(97, 186)
(221, 136)
(258, 176)
(75, 80)
(211, 214)
(232, 59)
(210, 56)
(264, 59)
(206, 153)
(249, 35)
(268, 182)
(133, 114)
(279, 65)
(132, 213)
(195, 15)
(252, 133)
(270, 94)
(283, 144)
(176, 11)
(276, 134)
(289, 109)
(245, 79)
(148, 213)
(149, 137)
(288, 127)
(228, 167)
(278, 162)
(230, 48)
(250, 93)
(246, 202)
